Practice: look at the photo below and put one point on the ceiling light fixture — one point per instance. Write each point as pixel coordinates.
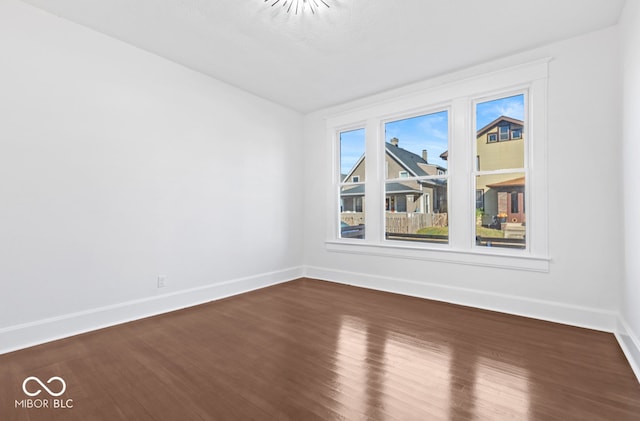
(299, 5)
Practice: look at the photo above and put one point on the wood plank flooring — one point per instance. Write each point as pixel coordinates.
(313, 350)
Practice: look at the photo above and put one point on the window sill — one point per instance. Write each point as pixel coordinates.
(505, 259)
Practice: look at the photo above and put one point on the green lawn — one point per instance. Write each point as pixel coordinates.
(481, 231)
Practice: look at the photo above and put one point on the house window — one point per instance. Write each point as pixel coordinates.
(503, 175)
(503, 133)
(514, 202)
(409, 216)
(417, 206)
(352, 194)
(516, 133)
(480, 199)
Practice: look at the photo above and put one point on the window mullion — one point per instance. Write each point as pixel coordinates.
(460, 149)
(373, 193)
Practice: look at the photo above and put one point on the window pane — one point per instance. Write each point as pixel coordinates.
(352, 211)
(502, 222)
(352, 155)
(417, 210)
(352, 175)
(417, 147)
(500, 133)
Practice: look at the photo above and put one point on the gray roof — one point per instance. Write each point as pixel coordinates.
(401, 188)
(357, 190)
(393, 187)
(409, 160)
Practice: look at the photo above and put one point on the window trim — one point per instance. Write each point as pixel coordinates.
(457, 91)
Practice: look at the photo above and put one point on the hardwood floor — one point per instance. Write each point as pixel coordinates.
(313, 350)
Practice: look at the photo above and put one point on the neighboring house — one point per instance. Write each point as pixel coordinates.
(509, 199)
(500, 145)
(411, 196)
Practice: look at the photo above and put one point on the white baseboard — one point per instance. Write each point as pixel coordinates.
(586, 317)
(630, 345)
(17, 337)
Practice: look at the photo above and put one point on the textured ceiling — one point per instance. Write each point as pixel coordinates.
(353, 49)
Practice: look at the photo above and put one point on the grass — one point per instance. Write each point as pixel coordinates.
(481, 231)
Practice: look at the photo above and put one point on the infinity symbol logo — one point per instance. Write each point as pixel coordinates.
(43, 386)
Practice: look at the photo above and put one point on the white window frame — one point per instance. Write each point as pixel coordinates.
(457, 93)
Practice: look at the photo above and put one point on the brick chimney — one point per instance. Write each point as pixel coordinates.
(424, 155)
(394, 141)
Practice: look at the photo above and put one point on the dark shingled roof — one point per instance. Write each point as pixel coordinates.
(408, 159)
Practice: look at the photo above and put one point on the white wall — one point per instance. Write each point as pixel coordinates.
(630, 33)
(117, 166)
(585, 231)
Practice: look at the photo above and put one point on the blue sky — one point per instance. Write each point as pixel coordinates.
(430, 131)
(351, 149)
(488, 111)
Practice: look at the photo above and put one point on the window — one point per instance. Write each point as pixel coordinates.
(480, 200)
(448, 183)
(503, 132)
(352, 194)
(503, 177)
(514, 202)
(416, 202)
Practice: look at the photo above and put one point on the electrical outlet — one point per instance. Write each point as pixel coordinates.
(162, 281)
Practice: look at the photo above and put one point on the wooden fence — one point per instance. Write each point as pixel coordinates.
(401, 222)
(352, 218)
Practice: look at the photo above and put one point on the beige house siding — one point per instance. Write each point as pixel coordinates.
(494, 156)
(394, 168)
(359, 171)
(500, 155)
